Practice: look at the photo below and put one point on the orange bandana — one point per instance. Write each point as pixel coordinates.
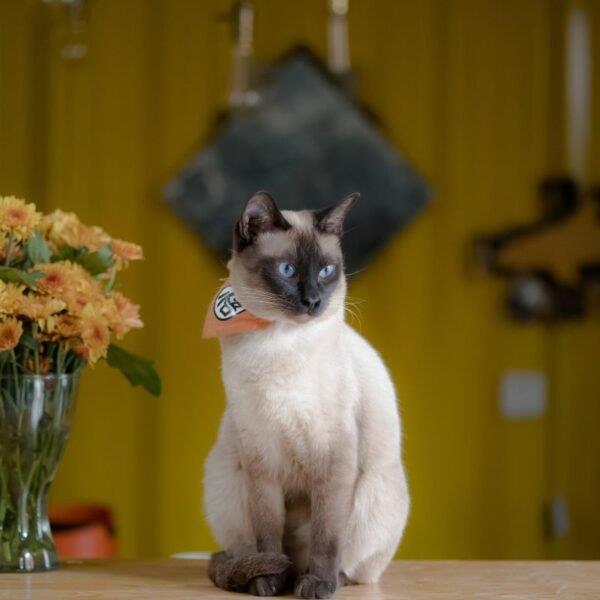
(226, 316)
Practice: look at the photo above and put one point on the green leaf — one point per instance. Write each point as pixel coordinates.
(37, 249)
(67, 253)
(137, 369)
(28, 278)
(93, 262)
(28, 341)
(97, 262)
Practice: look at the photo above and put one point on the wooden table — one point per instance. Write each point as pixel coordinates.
(411, 580)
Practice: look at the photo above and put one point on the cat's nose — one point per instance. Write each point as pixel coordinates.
(312, 302)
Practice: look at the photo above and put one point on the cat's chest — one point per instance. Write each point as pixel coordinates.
(273, 364)
(286, 406)
(281, 398)
(287, 427)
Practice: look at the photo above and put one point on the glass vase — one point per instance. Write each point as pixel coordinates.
(35, 420)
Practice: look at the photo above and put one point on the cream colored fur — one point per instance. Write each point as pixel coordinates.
(296, 391)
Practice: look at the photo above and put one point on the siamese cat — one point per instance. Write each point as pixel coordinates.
(304, 486)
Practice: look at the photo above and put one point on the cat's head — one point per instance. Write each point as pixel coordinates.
(288, 265)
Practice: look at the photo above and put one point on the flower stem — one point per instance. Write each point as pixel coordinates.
(36, 352)
(9, 250)
(14, 363)
(111, 281)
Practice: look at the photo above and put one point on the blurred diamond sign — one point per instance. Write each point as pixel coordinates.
(309, 145)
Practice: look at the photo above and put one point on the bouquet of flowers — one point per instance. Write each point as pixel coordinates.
(59, 307)
(59, 310)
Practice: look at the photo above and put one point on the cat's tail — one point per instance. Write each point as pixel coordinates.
(234, 573)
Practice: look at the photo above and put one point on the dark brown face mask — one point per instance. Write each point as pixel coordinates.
(302, 269)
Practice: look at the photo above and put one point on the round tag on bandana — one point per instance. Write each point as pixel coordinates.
(225, 316)
(226, 305)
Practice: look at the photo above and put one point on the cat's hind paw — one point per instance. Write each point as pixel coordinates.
(241, 573)
(311, 586)
(268, 585)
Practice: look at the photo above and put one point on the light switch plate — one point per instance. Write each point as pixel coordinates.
(560, 522)
(523, 395)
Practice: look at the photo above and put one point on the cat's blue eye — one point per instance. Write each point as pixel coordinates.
(326, 271)
(286, 269)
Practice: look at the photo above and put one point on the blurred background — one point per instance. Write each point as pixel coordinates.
(100, 109)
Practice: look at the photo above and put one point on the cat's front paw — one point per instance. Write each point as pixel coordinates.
(311, 586)
(268, 585)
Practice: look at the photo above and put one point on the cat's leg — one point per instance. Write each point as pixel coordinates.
(331, 503)
(297, 533)
(377, 521)
(236, 507)
(267, 514)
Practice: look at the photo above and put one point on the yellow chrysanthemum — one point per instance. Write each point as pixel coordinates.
(10, 333)
(41, 309)
(70, 283)
(125, 252)
(67, 326)
(17, 218)
(57, 277)
(11, 298)
(122, 314)
(95, 335)
(65, 229)
(62, 328)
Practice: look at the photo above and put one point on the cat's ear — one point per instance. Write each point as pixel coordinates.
(260, 214)
(331, 220)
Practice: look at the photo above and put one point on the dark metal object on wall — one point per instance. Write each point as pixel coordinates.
(309, 145)
(553, 263)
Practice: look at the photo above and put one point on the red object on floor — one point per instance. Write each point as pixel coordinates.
(83, 531)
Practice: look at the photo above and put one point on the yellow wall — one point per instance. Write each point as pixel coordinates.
(468, 90)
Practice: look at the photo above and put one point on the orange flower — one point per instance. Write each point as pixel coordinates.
(11, 298)
(56, 280)
(10, 333)
(17, 218)
(67, 326)
(95, 335)
(80, 350)
(122, 314)
(126, 251)
(65, 229)
(42, 310)
(70, 283)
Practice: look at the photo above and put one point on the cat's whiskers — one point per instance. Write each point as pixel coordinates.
(265, 299)
(350, 309)
(355, 272)
(355, 299)
(354, 316)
